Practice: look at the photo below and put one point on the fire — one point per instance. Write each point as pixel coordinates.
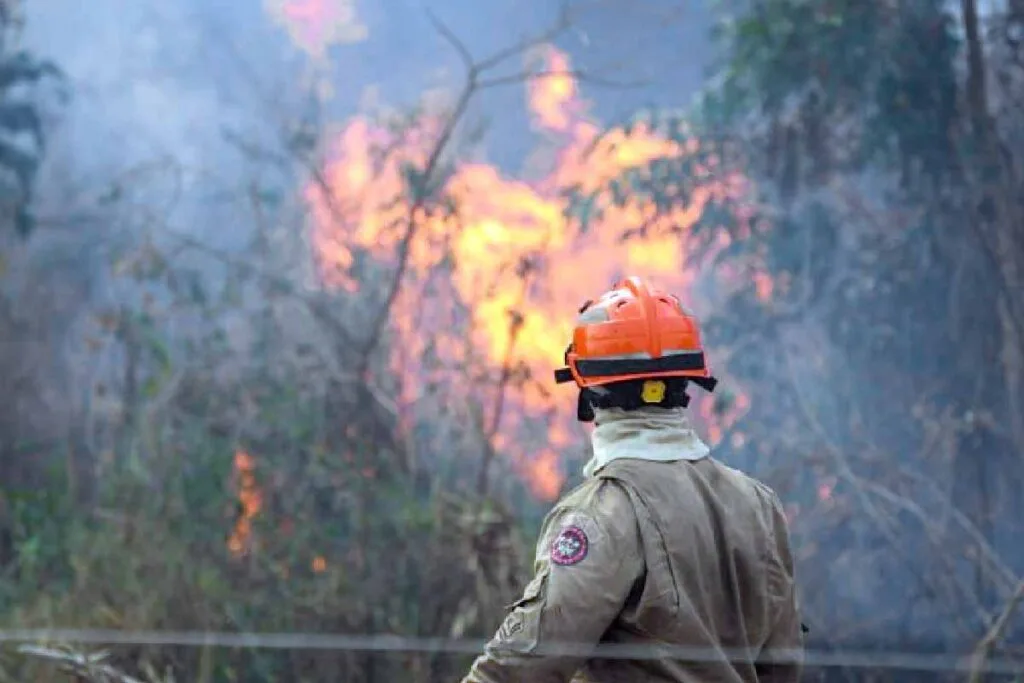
(543, 476)
(826, 488)
(315, 25)
(553, 96)
(250, 499)
(491, 287)
(719, 424)
(765, 286)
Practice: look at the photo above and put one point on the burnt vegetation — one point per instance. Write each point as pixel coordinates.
(197, 438)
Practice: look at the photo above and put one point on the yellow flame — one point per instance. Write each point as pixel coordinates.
(497, 282)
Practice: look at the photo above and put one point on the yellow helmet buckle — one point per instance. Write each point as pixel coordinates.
(653, 391)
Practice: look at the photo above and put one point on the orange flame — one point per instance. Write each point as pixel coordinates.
(250, 499)
(490, 287)
(826, 488)
(552, 95)
(315, 25)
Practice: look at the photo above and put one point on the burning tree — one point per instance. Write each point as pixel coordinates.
(318, 449)
(485, 270)
(322, 449)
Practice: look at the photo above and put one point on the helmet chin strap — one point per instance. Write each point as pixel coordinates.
(584, 411)
(631, 398)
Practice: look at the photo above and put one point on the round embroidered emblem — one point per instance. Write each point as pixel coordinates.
(569, 547)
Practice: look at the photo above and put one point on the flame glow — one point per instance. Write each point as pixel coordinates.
(491, 286)
(315, 25)
(250, 500)
(826, 488)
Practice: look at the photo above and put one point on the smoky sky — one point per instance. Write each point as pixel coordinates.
(154, 78)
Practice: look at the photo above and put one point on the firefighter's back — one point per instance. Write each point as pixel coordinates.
(718, 571)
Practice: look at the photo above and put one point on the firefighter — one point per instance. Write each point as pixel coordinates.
(664, 565)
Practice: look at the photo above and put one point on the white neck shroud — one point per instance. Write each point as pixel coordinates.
(658, 434)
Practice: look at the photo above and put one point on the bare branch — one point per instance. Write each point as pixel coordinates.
(472, 85)
(577, 74)
(514, 328)
(862, 487)
(560, 25)
(994, 633)
(447, 34)
(317, 306)
(404, 246)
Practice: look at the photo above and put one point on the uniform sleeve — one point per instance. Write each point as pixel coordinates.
(781, 659)
(587, 560)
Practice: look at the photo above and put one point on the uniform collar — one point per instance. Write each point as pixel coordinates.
(656, 434)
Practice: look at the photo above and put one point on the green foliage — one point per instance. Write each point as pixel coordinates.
(667, 184)
(18, 120)
(916, 92)
(779, 46)
(889, 69)
(156, 553)
(883, 291)
(36, 531)
(245, 486)
(22, 134)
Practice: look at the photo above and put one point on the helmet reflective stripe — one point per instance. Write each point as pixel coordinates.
(645, 355)
(594, 314)
(603, 367)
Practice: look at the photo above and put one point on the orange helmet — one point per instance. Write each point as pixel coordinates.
(635, 332)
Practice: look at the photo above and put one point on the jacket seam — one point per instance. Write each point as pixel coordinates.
(636, 500)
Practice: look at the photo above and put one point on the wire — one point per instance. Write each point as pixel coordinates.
(389, 643)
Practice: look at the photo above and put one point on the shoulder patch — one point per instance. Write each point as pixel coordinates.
(570, 546)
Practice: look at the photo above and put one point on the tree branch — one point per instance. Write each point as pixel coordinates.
(577, 74)
(473, 82)
(987, 643)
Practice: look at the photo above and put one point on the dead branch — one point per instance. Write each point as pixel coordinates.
(859, 485)
(987, 643)
(317, 306)
(84, 667)
(474, 78)
(514, 328)
(578, 75)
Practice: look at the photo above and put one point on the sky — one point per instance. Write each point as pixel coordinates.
(152, 77)
(158, 80)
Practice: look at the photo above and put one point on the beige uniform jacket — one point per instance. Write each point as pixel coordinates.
(691, 556)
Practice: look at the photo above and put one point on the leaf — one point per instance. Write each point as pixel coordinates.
(271, 197)
(22, 66)
(24, 222)
(21, 163)
(155, 344)
(584, 211)
(111, 194)
(151, 387)
(415, 182)
(19, 118)
(196, 291)
(723, 402)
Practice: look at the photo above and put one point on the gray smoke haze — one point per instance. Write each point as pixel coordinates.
(157, 83)
(158, 78)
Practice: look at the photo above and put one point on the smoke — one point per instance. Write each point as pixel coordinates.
(155, 78)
